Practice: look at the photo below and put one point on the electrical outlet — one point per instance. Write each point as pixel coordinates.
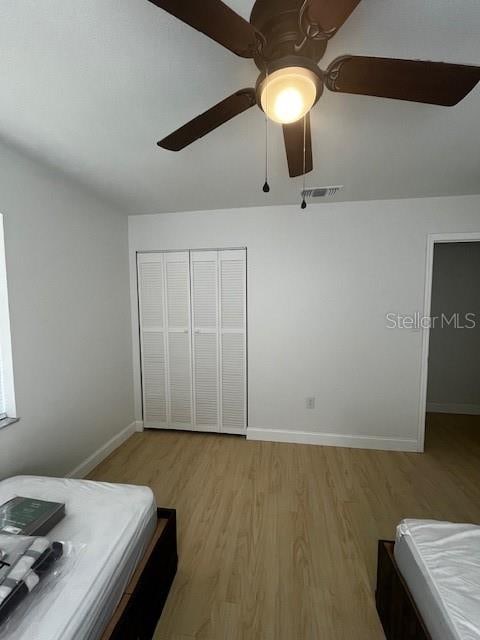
(310, 403)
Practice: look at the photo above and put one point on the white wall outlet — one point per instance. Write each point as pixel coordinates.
(310, 403)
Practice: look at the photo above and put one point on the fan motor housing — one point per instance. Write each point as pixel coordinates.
(278, 22)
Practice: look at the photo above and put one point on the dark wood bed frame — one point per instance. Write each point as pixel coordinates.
(396, 607)
(143, 600)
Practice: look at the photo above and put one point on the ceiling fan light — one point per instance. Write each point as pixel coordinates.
(288, 94)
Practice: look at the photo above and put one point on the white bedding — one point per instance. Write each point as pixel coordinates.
(110, 526)
(440, 561)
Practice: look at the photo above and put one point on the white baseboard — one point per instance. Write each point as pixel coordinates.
(467, 409)
(332, 439)
(103, 452)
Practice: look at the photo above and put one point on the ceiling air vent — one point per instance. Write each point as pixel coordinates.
(321, 192)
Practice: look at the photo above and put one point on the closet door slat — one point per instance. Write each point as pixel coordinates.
(204, 283)
(179, 380)
(233, 332)
(179, 370)
(178, 290)
(152, 337)
(155, 401)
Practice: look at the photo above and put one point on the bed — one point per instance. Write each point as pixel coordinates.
(122, 562)
(428, 582)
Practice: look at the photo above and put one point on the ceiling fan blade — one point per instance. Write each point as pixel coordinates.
(210, 120)
(295, 137)
(330, 15)
(215, 20)
(413, 80)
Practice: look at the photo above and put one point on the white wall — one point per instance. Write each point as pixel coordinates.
(67, 270)
(454, 356)
(319, 287)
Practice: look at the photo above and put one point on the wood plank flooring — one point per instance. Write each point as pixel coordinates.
(278, 541)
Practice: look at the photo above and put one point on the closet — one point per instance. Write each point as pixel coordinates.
(192, 313)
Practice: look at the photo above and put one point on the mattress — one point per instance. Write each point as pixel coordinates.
(109, 527)
(440, 562)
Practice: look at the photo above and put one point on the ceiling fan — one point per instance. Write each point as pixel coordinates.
(286, 39)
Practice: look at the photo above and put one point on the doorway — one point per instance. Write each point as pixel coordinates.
(450, 360)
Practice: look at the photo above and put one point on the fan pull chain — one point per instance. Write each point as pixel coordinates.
(266, 186)
(304, 203)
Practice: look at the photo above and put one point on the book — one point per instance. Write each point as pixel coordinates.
(29, 516)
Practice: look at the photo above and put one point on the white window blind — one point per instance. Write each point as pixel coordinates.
(3, 408)
(7, 396)
(193, 339)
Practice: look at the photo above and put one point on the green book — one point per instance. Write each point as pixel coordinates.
(29, 516)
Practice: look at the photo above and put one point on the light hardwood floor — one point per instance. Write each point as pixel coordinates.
(278, 541)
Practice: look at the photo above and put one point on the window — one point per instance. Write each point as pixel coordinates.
(7, 397)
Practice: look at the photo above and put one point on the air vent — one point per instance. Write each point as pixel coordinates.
(321, 192)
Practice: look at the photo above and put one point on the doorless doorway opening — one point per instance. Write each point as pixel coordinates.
(433, 241)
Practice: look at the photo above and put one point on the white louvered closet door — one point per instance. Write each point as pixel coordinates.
(193, 340)
(178, 326)
(204, 283)
(152, 339)
(233, 340)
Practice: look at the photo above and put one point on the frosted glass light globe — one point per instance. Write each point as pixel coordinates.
(288, 94)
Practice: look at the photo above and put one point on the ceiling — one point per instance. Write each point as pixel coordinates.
(91, 85)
